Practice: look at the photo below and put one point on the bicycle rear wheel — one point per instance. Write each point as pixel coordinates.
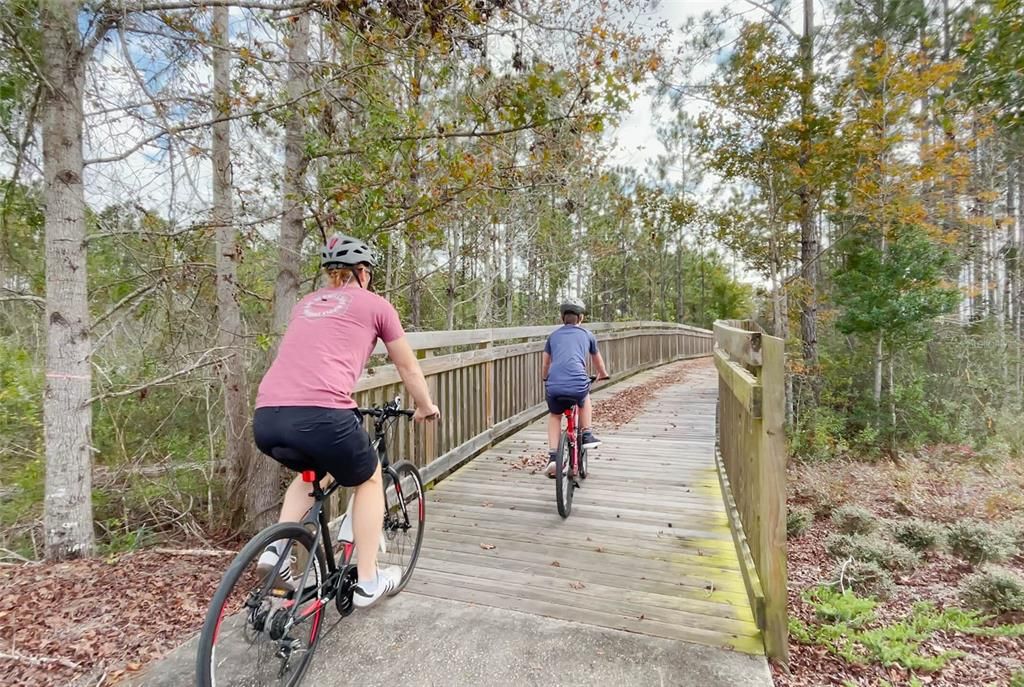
(251, 636)
(564, 481)
(584, 468)
(404, 519)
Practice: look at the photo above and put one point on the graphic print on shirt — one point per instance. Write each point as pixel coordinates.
(327, 304)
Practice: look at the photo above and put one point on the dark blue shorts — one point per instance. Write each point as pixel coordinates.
(559, 402)
(328, 440)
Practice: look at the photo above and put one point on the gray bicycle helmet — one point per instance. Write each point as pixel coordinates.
(573, 305)
(345, 251)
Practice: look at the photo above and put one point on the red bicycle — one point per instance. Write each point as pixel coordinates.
(571, 459)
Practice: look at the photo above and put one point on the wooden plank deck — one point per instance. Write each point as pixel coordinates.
(647, 548)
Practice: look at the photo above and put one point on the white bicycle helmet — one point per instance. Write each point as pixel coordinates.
(345, 251)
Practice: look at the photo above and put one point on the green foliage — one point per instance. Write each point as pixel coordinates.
(850, 519)
(871, 549)
(917, 534)
(994, 53)
(845, 607)
(851, 631)
(866, 578)
(821, 434)
(897, 292)
(1017, 679)
(798, 519)
(978, 543)
(994, 590)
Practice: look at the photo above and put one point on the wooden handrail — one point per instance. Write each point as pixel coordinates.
(425, 341)
(751, 458)
(489, 384)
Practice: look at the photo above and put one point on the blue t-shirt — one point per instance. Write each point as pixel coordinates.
(568, 347)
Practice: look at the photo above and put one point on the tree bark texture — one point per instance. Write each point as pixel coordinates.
(67, 415)
(237, 449)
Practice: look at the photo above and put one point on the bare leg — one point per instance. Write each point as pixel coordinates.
(367, 521)
(586, 413)
(554, 431)
(297, 500)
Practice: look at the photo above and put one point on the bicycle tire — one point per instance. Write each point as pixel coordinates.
(417, 516)
(584, 468)
(206, 651)
(564, 483)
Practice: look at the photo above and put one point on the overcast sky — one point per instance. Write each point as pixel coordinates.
(635, 141)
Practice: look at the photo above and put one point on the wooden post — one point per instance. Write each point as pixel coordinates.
(488, 396)
(772, 463)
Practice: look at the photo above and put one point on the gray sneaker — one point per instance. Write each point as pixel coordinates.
(589, 440)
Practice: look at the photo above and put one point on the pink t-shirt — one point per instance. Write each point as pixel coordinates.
(330, 336)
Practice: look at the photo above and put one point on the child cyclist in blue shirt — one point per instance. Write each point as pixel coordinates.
(565, 375)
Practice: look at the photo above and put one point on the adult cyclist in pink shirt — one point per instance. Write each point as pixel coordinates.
(305, 415)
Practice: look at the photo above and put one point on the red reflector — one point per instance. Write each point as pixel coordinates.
(309, 476)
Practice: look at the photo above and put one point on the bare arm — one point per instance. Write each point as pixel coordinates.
(602, 371)
(408, 367)
(545, 365)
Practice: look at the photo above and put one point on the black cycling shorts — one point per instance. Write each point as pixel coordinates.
(559, 403)
(328, 440)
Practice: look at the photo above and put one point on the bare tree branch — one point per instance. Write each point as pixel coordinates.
(166, 378)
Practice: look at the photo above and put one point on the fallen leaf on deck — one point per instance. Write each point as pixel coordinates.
(487, 547)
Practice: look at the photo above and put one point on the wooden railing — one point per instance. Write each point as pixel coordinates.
(487, 382)
(751, 460)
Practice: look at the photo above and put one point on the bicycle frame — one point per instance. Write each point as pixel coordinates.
(572, 421)
(316, 517)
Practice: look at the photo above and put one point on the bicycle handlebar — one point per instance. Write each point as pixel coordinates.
(385, 412)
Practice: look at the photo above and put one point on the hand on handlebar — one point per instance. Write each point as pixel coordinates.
(430, 412)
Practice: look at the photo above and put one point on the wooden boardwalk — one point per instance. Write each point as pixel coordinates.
(647, 548)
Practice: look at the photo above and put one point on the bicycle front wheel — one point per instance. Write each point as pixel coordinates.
(404, 518)
(564, 483)
(263, 624)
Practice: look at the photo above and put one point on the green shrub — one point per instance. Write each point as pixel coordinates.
(868, 549)
(848, 628)
(820, 435)
(1015, 530)
(854, 520)
(917, 534)
(840, 606)
(978, 543)
(994, 590)
(1017, 679)
(798, 519)
(864, 578)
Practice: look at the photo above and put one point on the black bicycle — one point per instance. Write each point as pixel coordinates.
(262, 629)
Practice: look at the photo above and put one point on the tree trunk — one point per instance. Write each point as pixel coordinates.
(1012, 249)
(680, 303)
(264, 484)
(808, 233)
(229, 317)
(289, 261)
(879, 349)
(67, 415)
(483, 310)
(453, 265)
(509, 275)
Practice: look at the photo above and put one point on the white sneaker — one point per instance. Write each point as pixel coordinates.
(388, 580)
(550, 471)
(286, 577)
(266, 564)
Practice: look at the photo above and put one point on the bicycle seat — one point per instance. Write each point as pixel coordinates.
(295, 460)
(567, 401)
